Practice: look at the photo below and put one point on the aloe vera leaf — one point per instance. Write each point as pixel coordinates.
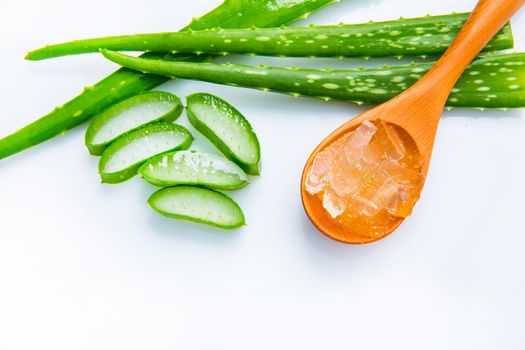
(226, 128)
(121, 160)
(494, 81)
(430, 35)
(125, 83)
(258, 13)
(129, 115)
(194, 168)
(199, 205)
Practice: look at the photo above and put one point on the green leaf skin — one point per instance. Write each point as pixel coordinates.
(194, 168)
(494, 81)
(199, 205)
(227, 129)
(121, 160)
(430, 35)
(125, 83)
(129, 115)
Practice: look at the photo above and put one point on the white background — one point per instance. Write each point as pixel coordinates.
(90, 266)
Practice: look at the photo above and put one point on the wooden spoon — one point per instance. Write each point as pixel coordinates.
(418, 109)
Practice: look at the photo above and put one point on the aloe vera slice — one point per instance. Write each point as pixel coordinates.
(226, 128)
(121, 160)
(194, 168)
(198, 205)
(130, 115)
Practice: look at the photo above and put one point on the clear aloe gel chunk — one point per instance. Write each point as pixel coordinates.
(199, 205)
(227, 129)
(129, 115)
(194, 168)
(121, 160)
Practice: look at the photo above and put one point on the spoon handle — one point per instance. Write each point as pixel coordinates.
(486, 20)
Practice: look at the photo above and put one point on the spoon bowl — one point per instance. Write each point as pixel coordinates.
(392, 114)
(415, 113)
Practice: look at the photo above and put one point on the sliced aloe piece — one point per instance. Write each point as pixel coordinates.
(194, 168)
(129, 115)
(121, 160)
(199, 205)
(227, 129)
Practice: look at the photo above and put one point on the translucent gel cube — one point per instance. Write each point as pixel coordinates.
(367, 179)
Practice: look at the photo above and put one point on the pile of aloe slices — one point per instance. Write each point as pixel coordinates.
(138, 135)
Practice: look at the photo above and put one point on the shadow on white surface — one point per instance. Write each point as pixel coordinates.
(351, 253)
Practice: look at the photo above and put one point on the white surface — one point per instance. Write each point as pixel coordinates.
(87, 266)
